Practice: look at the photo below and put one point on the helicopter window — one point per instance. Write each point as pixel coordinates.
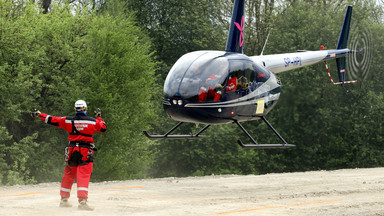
(236, 71)
(249, 74)
(262, 74)
(241, 77)
(177, 72)
(204, 80)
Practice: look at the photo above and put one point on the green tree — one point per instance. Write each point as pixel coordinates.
(48, 61)
(119, 70)
(177, 27)
(319, 118)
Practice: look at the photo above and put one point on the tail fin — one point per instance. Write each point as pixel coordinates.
(342, 44)
(235, 38)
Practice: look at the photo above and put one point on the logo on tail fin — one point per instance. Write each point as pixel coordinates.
(241, 28)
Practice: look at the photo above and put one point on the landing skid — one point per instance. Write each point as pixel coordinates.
(255, 145)
(168, 136)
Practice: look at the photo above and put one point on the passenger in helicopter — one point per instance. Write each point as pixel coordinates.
(232, 84)
(243, 84)
(212, 88)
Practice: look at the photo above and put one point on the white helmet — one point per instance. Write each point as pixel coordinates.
(80, 105)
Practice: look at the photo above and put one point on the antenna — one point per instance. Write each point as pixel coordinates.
(266, 40)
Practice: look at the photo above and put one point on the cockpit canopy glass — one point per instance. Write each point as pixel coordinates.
(212, 76)
(191, 72)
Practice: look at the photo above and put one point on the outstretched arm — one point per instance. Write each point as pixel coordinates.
(52, 120)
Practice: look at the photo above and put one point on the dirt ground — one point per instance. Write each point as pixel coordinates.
(341, 192)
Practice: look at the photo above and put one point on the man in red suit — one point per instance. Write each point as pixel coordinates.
(79, 153)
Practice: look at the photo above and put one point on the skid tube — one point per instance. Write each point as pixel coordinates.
(168, 136)
(255, 145)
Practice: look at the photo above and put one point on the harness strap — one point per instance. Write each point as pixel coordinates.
(75, 156)
(82, 145)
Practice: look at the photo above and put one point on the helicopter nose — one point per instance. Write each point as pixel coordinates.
(176, 110)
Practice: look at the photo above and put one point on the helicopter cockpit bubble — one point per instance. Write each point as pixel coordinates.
(196, 72)
(176, 74)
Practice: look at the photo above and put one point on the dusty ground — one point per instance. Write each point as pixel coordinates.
(342, 192)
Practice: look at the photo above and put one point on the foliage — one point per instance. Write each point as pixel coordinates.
(48, 61)
(116, 59)
(177, 27)
(120, 75)
(327, 125)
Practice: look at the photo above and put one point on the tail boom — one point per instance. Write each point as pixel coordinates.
(289, 61)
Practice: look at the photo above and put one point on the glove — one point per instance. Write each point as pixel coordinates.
(35, 113)
(97, 112)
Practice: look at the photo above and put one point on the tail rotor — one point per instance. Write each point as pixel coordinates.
(359, 62)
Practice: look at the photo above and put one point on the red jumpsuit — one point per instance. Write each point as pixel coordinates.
(232, 84)
(80, 129)
(211, 82)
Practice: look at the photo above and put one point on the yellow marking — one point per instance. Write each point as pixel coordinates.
(44, 192)
(185, 200)
(260, 107)
(117, 188)
(26, 194)
(259, 207)
(284, 206)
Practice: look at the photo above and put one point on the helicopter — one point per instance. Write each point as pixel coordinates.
(220, 87)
